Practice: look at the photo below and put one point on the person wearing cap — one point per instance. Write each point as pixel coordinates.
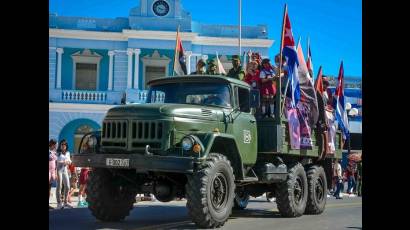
(268, 87)
(200, 68)
(236, 72)
(212, 68)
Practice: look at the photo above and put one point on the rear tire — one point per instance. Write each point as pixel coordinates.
(291, 195)
(106, 200)
(317, 190)
(210, 192)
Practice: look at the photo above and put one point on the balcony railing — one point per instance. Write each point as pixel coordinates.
(128, 96)
(83, 96)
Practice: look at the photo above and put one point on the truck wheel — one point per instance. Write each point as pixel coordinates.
(210, 192)
(241, 200)
(106, 200)
(291, 195)
(317, 190)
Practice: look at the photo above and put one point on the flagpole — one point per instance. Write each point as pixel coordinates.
(175, 53)
(240, 26)
(278, 110)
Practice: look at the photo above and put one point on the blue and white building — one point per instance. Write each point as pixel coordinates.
(95, 63)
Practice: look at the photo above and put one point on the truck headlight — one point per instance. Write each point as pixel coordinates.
(187, 143)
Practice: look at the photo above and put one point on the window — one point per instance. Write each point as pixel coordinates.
(86, 76)
(153, 72)
(243, 99)
(86, 70)
(210, 94)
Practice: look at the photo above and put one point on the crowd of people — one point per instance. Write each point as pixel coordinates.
(352, 174)
(68, 177)
(260, 74)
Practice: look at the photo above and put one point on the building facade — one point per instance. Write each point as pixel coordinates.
(97, 63)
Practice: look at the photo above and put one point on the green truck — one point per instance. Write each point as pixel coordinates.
(197, 138)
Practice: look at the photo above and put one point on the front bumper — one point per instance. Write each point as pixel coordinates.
(138, 161)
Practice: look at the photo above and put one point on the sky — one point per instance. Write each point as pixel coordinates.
(333, 26)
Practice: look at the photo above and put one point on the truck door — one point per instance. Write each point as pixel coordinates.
(244, 126)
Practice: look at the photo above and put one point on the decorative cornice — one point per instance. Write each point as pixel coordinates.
(80, 108)
(157, 35)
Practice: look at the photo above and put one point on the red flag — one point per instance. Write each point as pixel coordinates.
(319, 82)
(288, 40)
(179, 58)
(340, 83)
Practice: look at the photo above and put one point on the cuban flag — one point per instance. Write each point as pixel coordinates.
(309, 62)
(289, 51)
(179, 59)
(339, 104)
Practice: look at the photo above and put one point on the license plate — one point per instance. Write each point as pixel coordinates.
(117, 162)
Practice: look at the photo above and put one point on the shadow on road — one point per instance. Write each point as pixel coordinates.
(141, 217)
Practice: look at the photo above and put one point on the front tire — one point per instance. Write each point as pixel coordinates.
(106, 200)
(317, 190)
(291, 195)
(210, 192)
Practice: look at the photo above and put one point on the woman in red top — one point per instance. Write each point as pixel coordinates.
(252, 75)
(267, 76)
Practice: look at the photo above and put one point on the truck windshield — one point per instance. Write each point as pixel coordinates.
(213, 94)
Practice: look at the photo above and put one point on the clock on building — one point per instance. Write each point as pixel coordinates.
(160, 8)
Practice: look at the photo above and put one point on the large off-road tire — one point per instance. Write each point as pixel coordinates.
(291, 195)
(317, 190)
(210, 192)
(241, 200)
(106, 200)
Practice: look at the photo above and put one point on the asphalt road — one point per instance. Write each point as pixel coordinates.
(339, 214)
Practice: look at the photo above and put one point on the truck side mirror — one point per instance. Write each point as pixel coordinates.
(254, 99)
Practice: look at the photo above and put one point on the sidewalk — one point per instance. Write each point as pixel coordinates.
(74, 199)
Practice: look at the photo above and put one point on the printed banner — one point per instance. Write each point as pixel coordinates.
(294, 128)
(305, 130)
(332, 131)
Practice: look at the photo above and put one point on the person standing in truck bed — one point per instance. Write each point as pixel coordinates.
(236, 71)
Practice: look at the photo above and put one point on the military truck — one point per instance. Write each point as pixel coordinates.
(196, 137)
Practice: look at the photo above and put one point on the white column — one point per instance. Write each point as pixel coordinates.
(60, 52)
(188, 55)
(136, 67)
(110, 69)
(129, 78)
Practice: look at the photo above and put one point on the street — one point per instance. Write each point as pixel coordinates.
(260, 214)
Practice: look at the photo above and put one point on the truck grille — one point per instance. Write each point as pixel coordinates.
(146, 133)
(139, 133)
(114, 133)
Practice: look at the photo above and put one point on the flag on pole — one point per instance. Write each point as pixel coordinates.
(309, 62)
(179, 57)
(339, 104)
(319, 82)
(289, 51)
(307, 89)
(220, 69)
